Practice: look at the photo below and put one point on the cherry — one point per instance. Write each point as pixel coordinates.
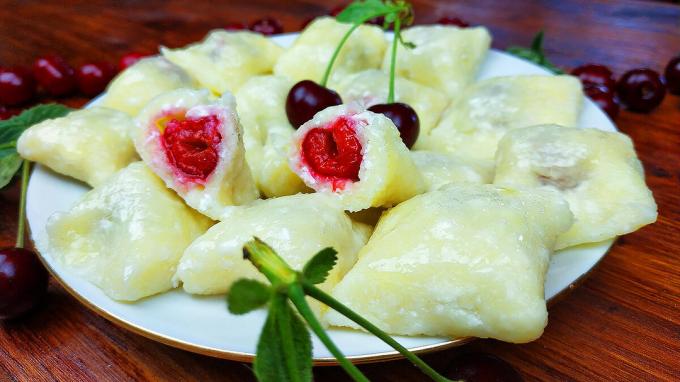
(641, 90)
(333, 151)
(267, 26)
(54, 75)
(130, 59)
(16, 86)
(404, 118)
(672, 75)
(6, 113)
(595, 75)
(191, 145)
(93, 77)
(481, 367)
(455, 21)
(23, 282)
(605, 100)
(306, 98)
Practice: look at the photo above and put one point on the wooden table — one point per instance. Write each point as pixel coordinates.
(623, 323)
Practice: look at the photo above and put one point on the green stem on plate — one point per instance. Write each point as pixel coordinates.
(283, 322)
(393, 59)
(21, 229)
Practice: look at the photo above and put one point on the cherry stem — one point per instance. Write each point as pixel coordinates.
(21, 229)
(393, 63)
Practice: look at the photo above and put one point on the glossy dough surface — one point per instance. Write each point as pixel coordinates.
(465, 260)
(311, 52)
(597, 172)
(439, 169)
(127, 235)
(225, 60)
(89, 145)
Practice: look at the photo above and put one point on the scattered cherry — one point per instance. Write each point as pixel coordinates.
(6, 113)
(191, 145)
(455, 21)
(23, 282)
(130, 59)
(595, 75)
(641, 90)
(672, 75)
(267, 26)
(404, 118)
(16, 86)
(93, 77)
(481, 367)
(334, 151)
(235, 26)
(54, 75)
(306, 98)
(605, 100)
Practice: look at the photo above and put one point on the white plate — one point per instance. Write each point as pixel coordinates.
(203, 324)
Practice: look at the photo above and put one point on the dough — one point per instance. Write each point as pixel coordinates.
(439, 169)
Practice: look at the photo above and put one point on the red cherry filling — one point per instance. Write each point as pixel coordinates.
(191, 145)
(334, 151)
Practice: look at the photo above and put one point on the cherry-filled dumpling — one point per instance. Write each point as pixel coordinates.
(192, 140)
(370, 87)
(311, 52)
(356, 156)
(138, 84)
(89, 145)
(465, 260)
(439, 169)
(444, 57)
(474, 123)
(225, 60)
(597, 172)
(267, 134)
(127, 235)
(297, 227)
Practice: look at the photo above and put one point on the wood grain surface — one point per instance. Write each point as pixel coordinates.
(622, 324)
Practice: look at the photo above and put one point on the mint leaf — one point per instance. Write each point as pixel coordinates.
(11, 129)
(317, 268)
(535, 53)
(284, 350)
(361, 11)
(246, 295)
(9, 165)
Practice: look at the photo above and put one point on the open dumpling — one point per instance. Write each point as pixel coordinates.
(475, 122)
(439, 169)
(466, 260)
(297, 227)
(225, 60)
(192, 140)
(89, 145)
(267, 134)
(357, 156)
(444, 57)
(138, 84)
(597, 172)
(308, 58)
(127, 235)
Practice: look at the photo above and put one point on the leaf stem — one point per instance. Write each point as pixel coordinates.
(393, 60)
(297, 296)
(287, 342)
(21, 229)
(321, 296)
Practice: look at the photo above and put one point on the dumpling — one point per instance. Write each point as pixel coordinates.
(89, 145)
(225, 60)
(297, 227)
(474, 123)
(439, 169)
(597, 172)
(356, 156)
(466, 260)
(444, 58)
(370, 87)
(267, 134)
(138, 84)
(192, 140)
(127, 235)
(309, 56)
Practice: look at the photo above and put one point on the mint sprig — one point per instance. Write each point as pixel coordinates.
(284, 349)
(535, 53)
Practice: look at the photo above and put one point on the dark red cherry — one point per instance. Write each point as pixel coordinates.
(267, 26)
(23, 282)
(55, 75)
(191, 145)
(333, 151)
(235, 26)
(6, 113)
(595, 75)
(404, 118)
(130, 59)
(305, 99)
(640, 90)
(455, 21)
(93, 77)
(16, 86)
(605, 100)
(672, 75)
(481, 367)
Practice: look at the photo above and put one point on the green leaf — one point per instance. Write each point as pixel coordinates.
(11, 129)
(535, 54)
(246, 295)
(284, 350)
(9, 165)
(360, 11)
(317, 268)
